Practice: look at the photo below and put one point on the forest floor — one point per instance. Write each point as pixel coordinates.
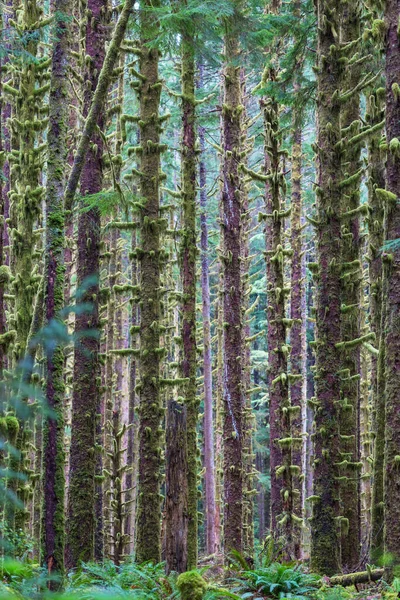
(27, 581)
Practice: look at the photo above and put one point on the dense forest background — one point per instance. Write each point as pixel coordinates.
(200, 296)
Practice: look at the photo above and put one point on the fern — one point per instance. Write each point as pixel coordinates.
(276, 581)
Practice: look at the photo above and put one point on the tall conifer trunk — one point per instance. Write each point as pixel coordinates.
(325, 544)
(281, 441)
(53, 434)
(188, 270)
(131, 454)
(351, 298)
(232, 290)
(209, 460)
(4, 274)
(392, 255)
(26, 162)
(176, 490)
(86, 388)
(150, 255)
(377, 279)
(298, 326)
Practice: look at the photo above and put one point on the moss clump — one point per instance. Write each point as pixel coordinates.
(191, 586)
(12, 426)
(4, 274)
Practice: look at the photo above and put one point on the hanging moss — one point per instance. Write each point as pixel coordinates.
(325, 542)
(148, 546)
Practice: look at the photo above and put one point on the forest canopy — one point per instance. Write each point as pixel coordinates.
(200, 299)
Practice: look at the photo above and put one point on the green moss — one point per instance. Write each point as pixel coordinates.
(12, 426)
(191, 586)
(5, 275)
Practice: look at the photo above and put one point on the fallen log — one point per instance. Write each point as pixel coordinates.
(356, 578)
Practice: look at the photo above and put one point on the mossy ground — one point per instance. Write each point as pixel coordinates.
(147, 581)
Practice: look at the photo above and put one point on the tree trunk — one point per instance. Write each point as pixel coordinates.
(392, 254)
(86, 388)
(188, 272)
(281, 441)
(209, 461)
(148, 545)
(131, 455)
(25, 207)
(53, 431)
(325, 542)
(232, 291)
(376, 237)
(176, 489)
(351, 298)
(298, 328)
(219, 417)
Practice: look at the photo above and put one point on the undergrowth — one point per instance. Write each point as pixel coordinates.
(106, 581)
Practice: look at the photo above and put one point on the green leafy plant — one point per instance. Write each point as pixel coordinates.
(275, 581)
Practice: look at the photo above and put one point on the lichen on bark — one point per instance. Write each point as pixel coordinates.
(150, 255)
(325, 541)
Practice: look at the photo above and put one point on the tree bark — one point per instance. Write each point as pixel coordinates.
(148, 544)
(392, 255)
(298, 328)
(351, 298)
(209, 460)
(86, 387)
(376, 237)
(281, 441)
(188, 273)
(325, 542)
(176, 489)
(232, 291)
(53, 430)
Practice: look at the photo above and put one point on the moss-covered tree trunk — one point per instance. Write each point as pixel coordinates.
(176, 489)
(148, 544)
(188, 271)
(209, 460)
(4, 272)
(131, 455)
(325, 541)
(86, 388)
(53, 434)
(109, 394)
(26, 194)
(281, 441)
(27, 89)
(351, 298)
(376, 237)
(309, 417)
(392, 326)
(298, 347)
(219, 408)
(231, 211)
(248, 417)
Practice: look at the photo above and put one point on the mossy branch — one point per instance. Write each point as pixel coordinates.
(356, 342)
(97, 104)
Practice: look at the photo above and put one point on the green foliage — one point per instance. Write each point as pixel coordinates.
(21, 545)
(108, 201)
(276, 581)
(96, 581)
(335, 593)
